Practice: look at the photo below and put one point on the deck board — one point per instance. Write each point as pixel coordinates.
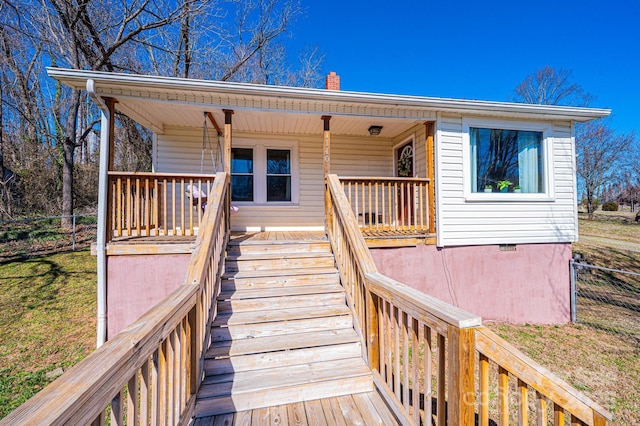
(362, 408)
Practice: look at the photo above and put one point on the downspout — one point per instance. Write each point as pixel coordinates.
(101, 327)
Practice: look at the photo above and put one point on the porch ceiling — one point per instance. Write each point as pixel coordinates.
(158, 115)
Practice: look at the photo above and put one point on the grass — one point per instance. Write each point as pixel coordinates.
(48, 321)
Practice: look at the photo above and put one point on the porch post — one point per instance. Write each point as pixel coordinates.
(104, 216)
(227, 140)
(430, 159)
(326, 135)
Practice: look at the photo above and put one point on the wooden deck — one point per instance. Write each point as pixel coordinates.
(356, 409)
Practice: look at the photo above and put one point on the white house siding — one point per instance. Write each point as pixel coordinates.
(178, 150)
(463, 222)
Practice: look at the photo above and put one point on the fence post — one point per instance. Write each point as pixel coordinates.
(73, 235)
(574, 308)
(460, 380)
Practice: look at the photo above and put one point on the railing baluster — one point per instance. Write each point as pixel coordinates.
(442, 372)
(558, 415)
(484, 390)
(147, 207)
(132, 400)
(405, 324)
(523, 403)
(138, 207)
(117, 412)
(144, 393)
(541, 410)
(428, 366)
(503, 395)
(397, 320)
(415, 371)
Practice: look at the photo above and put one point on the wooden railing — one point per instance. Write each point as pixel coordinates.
(556, 402)
(150, 372)
(391, 204)
(423, 352)
(152, 204)
(400, 325)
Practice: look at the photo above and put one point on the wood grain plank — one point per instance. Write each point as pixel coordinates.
(315, 413)
(296, 414)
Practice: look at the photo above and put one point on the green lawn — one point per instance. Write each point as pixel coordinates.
(47, 320)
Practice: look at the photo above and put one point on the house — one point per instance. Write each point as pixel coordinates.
(458, 241)
(367, 227)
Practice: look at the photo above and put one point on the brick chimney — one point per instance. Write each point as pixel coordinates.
(333, 81)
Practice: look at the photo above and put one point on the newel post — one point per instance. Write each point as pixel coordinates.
(326, 161)
(460, 380)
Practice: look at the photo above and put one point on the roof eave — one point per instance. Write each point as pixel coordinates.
(77, 79)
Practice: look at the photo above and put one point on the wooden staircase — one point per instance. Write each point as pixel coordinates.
(283, 332)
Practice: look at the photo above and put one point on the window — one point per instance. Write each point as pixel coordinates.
(264, 174)
(278, 175)
(504, 160)
(241, 174)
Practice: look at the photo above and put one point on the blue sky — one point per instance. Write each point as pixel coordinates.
(479, 49)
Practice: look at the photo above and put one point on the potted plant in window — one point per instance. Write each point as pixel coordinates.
(488, 188)
(503, 185)
(517, 188)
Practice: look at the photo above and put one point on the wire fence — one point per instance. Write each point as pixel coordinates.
(607, 299)
(25, 238)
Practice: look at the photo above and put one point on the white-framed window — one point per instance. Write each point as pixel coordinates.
(264, 173)
(507, 161)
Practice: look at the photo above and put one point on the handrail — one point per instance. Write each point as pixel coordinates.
(156, 204)
(151, 371)
(423, 351)
(493, 348)
(397, 325)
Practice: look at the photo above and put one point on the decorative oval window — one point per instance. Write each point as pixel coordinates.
(405, 161)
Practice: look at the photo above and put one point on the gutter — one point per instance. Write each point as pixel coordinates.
(101, 325)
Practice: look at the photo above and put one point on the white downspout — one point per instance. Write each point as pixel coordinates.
(101, 327)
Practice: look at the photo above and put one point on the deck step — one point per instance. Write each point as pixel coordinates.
(288, 247)
(273, 277)
(281, 302)
(277, 315)
(256, 293)
(278, 261)
(224, 348)
(282, 328)
(262, 388)
(285, 358)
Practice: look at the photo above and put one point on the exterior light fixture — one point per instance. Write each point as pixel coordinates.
(375, 130)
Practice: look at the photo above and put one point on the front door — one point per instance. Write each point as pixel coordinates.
(404, 156)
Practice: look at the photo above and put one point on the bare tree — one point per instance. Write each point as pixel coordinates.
(235, 40)
(599, 155)
(550, 86)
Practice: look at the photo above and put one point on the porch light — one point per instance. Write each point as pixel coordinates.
(375, 130)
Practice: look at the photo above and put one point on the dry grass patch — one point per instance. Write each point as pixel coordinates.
(604, 366)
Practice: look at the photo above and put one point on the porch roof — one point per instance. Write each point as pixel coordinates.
(152, 100)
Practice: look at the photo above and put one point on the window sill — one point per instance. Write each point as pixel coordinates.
(247, 205)
(499, 197)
